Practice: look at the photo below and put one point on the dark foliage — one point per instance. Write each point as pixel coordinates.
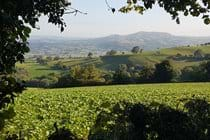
(126, 121)
(196, 8)
(198, 53)
(207, 68)
(62, 134)
(121, 75)
(15, 137)
(81, 76)
(59, 134)
(125, 74)
(200, 73)
(9, 89)
(146, 75)
(112, 52)
(17, 17)
(90, 54)
(135, 49)
(163, 72)
(6, 114)
(41, 61)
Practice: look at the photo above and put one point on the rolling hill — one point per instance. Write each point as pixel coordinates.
(108, 63)
(99, 46)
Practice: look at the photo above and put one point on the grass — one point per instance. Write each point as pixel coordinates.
(36, 70)
(77, 108)
(112, 62)
(77, 61)
(184, 50)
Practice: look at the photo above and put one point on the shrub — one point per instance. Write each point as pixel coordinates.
(163, 72)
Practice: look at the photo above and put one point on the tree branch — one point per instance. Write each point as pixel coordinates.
(75, 11)
(109, 7)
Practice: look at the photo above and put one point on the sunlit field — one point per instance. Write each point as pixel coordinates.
(77, 108)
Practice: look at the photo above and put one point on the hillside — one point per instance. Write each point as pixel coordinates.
(99, 46)
(145, 58)
(112, 62)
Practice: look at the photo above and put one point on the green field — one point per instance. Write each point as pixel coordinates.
(77, 108)
(36, 70)
(149, 58)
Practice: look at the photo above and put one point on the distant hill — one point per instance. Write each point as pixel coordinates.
(80, 47)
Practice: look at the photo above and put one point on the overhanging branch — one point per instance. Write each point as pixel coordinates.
(75, 11)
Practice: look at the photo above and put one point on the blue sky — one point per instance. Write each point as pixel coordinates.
(101, 22)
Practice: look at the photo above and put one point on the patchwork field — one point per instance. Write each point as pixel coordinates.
(107, 63)
(77, 108)
(35, 70)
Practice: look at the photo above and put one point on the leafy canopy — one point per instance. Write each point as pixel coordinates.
(17, 17)
(194, 8)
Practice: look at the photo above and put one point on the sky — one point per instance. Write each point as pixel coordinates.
(101, 22)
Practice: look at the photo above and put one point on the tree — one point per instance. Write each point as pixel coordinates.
(163, 72)
(135, 49)
(195, 8)
(17, 17)
(122, 75)
(86, 74)
(41, 61)
(112, 52)
(207, 67)
(76, 72)
(147, 74)
(195, 73)
(90, 54)
(198, 54)
(91, 73)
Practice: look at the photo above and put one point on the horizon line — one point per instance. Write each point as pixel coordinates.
(113, 34)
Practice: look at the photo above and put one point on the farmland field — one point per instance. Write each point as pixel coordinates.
(35, 69)
(77, 108)
(111, 63)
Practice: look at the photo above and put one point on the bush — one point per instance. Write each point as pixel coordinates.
(147, 75)
(122, 75)
(81, 76)
(199, 73)
(112, 52)
(62, 134)
(135, 49)
(44, 81)
(163, 72)
(127, 121)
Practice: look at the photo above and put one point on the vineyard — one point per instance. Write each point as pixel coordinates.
(77, 108)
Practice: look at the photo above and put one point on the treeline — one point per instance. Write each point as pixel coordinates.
(89, 75)
(198, 55)
(76, 76)
(200, 73)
